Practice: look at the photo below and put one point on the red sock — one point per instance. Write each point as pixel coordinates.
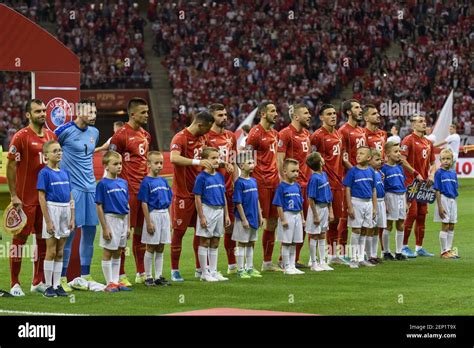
(196, 241)
(122, 263)
(39, 260)
(342, 235)
(139, 252)
(176, 242)
(420, 229)
(299, 246)
(331, 238)
(407, 228)
(229, 245)
(16, 250)
(268, 242)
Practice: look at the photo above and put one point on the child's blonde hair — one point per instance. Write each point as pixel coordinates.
(109, 155)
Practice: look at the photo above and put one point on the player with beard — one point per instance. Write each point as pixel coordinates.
(186, 147)
(328, 142)
(353, 137)
(294, 143)
(226, 142)
(376, 138)
(25, 160)
(132, 142)
(263, 139)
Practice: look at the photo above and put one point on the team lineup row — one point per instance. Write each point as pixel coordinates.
(276, 155)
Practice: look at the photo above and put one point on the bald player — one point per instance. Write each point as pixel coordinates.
(186, 147)
(133, 142)
(328, 142)
(25, 160)
(226, 142)
(294, 142)
(418, 161)
(263, 140)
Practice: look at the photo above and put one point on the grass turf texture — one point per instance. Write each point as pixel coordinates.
(422, 286)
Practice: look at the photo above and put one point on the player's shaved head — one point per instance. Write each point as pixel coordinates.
(110, 156)
(134, 103)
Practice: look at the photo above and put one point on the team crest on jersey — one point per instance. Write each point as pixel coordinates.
(174, 146)
(403, 147)
(92, 140)
(13, 149)
(179, 222)
(58, 112)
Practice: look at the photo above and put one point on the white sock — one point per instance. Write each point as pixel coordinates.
(213, 259)
(115, 270)
(443, 241)
(58, 267)
(249, 257)
(292, 256)
(48, 267)
(107, 269)
(418, 247)
(285, 256)
(375, 245)
(202, 255)
(355, 237)
(158, 265)
(312, 249)
(147, 261)
(368, 246)
(386, 240)
(450, 238)
(322, 251)
(240, 256)
(399, 241)
(362, 247)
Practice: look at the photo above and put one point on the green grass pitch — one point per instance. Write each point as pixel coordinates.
(423, 286)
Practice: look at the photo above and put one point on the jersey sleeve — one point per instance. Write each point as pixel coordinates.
(117, 143)
(312, 189)
(99, 193)
(221, 177)
(283, 140)
(143, 192)
(349, 178)
(252, 141)
(278, 199)
(437, 181)
(42, 181)
(16, 147)
(177, 144)
(199, 185)
(237, 196)
(405, 146)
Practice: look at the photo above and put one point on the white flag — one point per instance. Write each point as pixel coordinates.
(445, 118)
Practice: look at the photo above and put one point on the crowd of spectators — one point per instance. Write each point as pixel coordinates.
(436, 56)
(240, 52)
(109, 39)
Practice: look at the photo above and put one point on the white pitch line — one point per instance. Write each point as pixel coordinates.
(6, 311)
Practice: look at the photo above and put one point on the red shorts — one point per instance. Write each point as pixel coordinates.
(183, 212)
(34, 222)
(417, 208)
(265, 197)
(339, 204)
(136, 213)
(230, 205)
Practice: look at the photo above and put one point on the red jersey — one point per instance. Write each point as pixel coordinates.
(419, 152)
(376, 140)
(265, 144)
(296, 145)
(26, 148)
(227, 145)
(189, 146)
(330, 146)
(133, 145)
(352, 139)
